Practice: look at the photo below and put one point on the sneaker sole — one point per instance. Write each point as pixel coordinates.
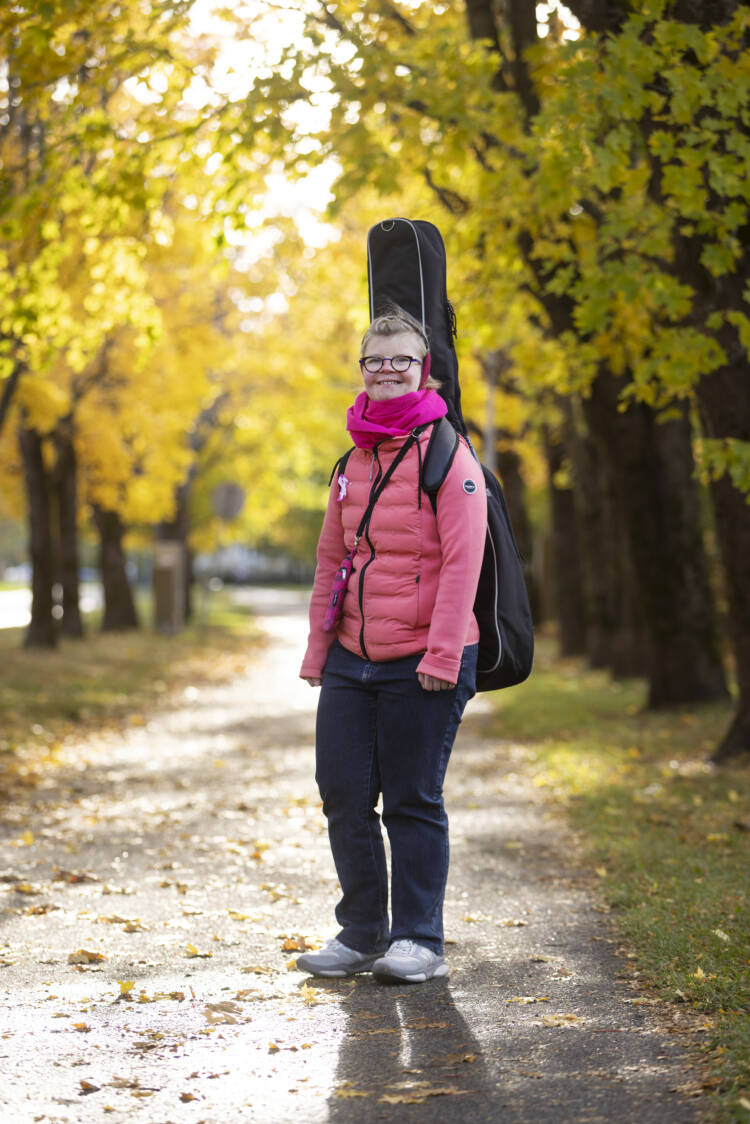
(388, 976)
(337, 973)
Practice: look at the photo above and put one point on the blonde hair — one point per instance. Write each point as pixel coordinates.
(392, 320)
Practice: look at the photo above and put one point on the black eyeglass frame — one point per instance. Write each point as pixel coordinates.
(382, 359)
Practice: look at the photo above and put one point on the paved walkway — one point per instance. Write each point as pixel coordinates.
(152, 892)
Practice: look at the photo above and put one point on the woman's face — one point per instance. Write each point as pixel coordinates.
(388, 383)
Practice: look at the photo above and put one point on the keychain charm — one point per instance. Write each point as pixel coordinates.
(343, 483)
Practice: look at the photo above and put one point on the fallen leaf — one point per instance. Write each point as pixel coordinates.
(126, 986)
(84, 956)
(420, 1094)
(309, 995)
(222, 1012)
(192, 951)
(82, 1027)
(184, 1097)
(524, 999)
(72, 876)
(295, 944)
(562, 1020)
(87, 1087)
(344, 1092)
(273, 1048)
(722, 935)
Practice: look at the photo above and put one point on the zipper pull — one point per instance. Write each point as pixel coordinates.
(372, 464)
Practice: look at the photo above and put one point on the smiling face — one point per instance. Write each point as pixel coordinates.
(388, 383)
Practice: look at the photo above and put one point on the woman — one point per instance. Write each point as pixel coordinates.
(399, 666)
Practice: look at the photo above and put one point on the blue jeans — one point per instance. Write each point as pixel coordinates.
(379, 731)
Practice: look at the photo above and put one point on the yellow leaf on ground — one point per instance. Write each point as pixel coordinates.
(420, 1094)
(529, 999)
(126, 986)
(192, 951)
(295, 944)
(562, 1020)
(84, 956)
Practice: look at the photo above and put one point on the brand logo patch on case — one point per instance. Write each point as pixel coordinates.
(470, 487)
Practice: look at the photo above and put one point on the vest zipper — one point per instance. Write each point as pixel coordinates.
(366, 535)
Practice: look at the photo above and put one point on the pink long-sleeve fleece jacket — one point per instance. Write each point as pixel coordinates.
(415, 572)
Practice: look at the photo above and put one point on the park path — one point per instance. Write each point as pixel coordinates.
(153, 888)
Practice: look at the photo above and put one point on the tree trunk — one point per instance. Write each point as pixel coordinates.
(66, 491)
(176, 530)
(652, 469)
(119, 606)
(9, 388)
(570, 607)
(42, 630)
(724, 401)
(630, 637)
(614, 632)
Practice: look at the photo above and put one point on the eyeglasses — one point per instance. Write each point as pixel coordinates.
(374, 363)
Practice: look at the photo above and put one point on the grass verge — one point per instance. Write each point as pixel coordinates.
(667, 833)
(107, 678)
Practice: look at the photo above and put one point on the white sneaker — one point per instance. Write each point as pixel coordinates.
(336, 960)
(409, 962)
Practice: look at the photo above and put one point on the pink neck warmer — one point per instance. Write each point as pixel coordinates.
(370, 422)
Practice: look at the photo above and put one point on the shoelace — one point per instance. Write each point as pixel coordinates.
(405, 948)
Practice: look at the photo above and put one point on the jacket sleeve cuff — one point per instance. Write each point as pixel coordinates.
(440, 666)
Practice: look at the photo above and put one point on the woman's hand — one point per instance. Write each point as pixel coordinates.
(313, 680)
(432, 683)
